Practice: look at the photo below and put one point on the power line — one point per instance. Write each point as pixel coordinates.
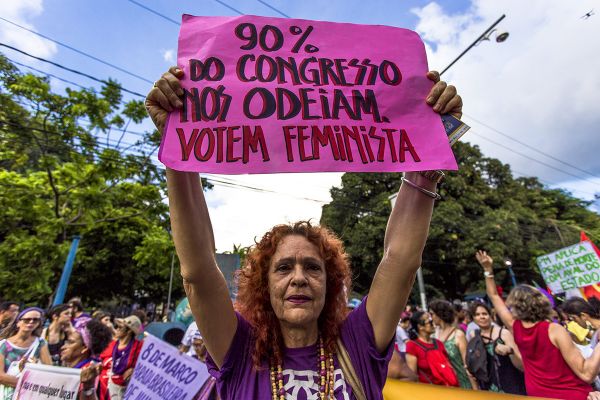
(46, 73)
(273, 8)
(154, 12)
(77, 51)
(529, 146)
(73, 70)
(228, 6)
(535, 159)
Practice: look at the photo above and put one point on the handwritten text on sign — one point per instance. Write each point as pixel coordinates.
(45, 382)
(265, 95)
(572, 267)
(163, 373)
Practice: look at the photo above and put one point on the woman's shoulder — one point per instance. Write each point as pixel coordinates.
(458, 334)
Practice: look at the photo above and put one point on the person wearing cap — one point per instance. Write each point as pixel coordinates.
(186, 345)
(22, 344)
(125, 351)
(82, 349)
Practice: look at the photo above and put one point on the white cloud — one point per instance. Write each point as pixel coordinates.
(169, 56)
(541, 86)
(20, 12)
(240, 215)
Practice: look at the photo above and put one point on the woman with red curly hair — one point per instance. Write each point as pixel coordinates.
(289, 335)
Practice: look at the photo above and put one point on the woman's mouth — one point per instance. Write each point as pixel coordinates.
(298, 299)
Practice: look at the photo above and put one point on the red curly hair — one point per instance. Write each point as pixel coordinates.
(253, 300)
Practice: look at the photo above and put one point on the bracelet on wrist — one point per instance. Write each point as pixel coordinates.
(488, 274)
(433, 195)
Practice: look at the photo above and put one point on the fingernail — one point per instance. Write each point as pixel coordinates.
(180, 92)
(430, 100)
(437, 107)
(178, 104)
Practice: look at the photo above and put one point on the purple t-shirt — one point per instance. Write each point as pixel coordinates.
(239, 380)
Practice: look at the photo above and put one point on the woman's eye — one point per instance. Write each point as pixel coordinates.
(283, 267)
(314, 267)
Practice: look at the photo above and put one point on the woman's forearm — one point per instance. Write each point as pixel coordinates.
(405, 236)
(591, 365)
(408, 225)
(190, 223)
(204, 283)
(8, 380)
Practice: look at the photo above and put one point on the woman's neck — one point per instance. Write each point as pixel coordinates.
(294, 337)
(487, 329)
(22, 336)
(445, 327)
(124, 341)
(425, 337)
(74, 363)
(55, 326)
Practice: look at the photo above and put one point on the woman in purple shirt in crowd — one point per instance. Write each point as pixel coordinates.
(290, 337)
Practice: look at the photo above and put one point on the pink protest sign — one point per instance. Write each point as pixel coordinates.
(268, 95)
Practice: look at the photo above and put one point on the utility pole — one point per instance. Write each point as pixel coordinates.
(61, 290)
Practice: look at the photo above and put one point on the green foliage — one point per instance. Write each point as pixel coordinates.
(61, 174)
(483, 207)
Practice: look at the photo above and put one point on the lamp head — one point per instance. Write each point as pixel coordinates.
(501, 37)
(507, 263)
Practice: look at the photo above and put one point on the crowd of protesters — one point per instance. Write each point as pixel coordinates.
(103, 347)
(519, 345)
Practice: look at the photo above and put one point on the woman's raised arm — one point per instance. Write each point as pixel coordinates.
(406, 233)
(204, 283)
(504, 313)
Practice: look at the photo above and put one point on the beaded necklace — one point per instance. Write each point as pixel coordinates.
(326, 373)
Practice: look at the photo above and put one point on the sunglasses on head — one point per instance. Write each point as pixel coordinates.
(30, 320)
(426, 321)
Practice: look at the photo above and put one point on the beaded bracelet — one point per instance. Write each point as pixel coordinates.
(433, 195)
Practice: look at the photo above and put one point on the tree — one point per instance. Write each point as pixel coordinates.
(65, 171)
(483, 207)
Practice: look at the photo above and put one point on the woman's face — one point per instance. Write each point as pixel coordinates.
(106, 321)
(297, 282)
(121, 331)
(426, 324)
(199, 348)
(29, 322)
(482, 317)
(437, 321)
(579, 319)
(73, 349)
(65, 317)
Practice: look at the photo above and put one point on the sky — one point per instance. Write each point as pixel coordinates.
(532, 101)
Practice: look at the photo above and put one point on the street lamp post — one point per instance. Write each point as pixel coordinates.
(500, 37)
